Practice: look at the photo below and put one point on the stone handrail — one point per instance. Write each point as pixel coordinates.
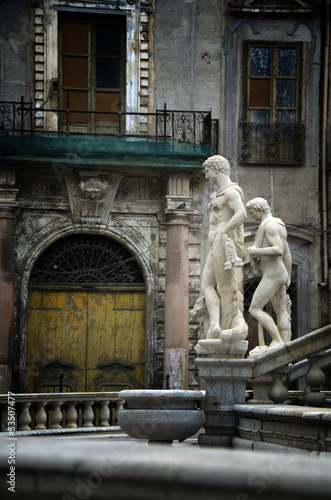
(72, 410)
(307, 355)
(296, 350)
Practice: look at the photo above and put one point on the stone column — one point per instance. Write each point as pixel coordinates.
(176, 320)
(8, 205)
(176, 304)
(224, 372)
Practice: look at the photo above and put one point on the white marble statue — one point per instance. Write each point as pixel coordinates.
(222, 275)
(271, 254)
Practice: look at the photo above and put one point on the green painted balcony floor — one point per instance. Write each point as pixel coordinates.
(79, 149)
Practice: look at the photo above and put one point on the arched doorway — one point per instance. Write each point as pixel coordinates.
(86, 320)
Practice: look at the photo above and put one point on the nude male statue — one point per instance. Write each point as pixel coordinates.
(221, 276)
(272, 253)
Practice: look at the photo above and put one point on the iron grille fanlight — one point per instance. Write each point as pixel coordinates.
(86, 258)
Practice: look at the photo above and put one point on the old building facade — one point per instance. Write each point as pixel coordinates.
(103, 198)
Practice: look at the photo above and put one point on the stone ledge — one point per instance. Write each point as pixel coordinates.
(291, 427)
(285, 412)
(63, 431)
(246, 444)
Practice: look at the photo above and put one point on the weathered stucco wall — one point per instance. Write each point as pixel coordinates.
(187, 54)
(16, 51)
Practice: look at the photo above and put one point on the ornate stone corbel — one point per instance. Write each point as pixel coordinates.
(91, 198)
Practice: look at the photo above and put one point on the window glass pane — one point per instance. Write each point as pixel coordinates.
(283, 116)
(259, 93)
(107, 101)
(74, 38)
(74, 71)
(286, 62)
(259, 61)
(108, 39)
(286, 93)
(108, 73)
(78, 102)
(259, 116)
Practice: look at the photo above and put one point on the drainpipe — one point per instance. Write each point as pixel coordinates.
(324, 148)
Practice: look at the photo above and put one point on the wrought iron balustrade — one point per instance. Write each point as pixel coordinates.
(197, 127)
(275, 143)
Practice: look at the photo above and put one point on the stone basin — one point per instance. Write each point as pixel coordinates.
(161, 415)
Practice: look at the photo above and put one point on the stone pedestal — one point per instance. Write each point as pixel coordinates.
(224, 372)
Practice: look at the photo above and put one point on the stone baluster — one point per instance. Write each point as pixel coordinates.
(117, 406)
(315, 379)
(88, 414)
(278, 393)
(261, 386)
(41, 416)
(25, 418)
(56, 415)
(72, 415)
(104, 414)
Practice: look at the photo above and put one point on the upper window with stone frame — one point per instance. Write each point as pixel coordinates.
(272, 131)
(92, 72)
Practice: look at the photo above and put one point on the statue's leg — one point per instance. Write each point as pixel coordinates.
(265, 291)
(279, 303)
(213, 303)
(225, 282)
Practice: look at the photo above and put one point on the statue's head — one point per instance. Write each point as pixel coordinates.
(259, 205)
(218, 164)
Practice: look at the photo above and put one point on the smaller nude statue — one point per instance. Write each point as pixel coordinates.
(271, 254)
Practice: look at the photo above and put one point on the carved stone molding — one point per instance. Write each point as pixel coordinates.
(8, 203)
(54, 373)
(256, 6)
(146, 6)
(7, 177)
(116, 373)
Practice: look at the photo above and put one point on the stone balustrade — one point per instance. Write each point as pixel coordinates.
(43, 411)
(299, 369)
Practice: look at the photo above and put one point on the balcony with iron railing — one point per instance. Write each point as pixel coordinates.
(190, 134)
(272, 143)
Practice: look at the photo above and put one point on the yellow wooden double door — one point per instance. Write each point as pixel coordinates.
(86, 331)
